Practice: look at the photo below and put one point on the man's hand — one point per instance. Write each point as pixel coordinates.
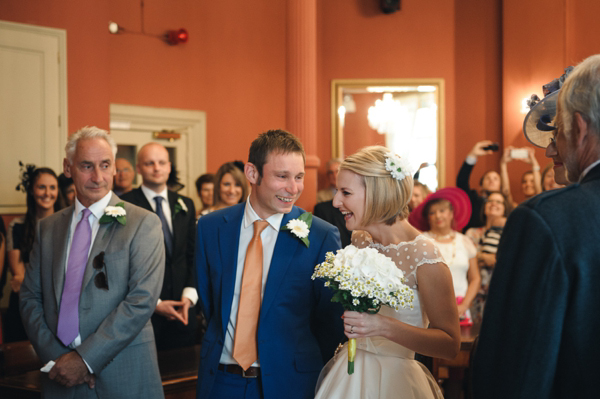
(184, 310)
(170, 310)
(478, 150)
(70, 370)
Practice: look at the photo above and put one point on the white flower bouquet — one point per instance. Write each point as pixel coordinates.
(363, 280)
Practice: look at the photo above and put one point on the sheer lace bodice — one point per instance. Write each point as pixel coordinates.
(408, 256)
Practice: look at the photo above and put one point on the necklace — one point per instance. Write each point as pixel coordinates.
(442, 237)
(446, 237)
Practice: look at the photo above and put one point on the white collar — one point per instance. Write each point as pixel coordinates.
(151, 194)
(97, 208)
(586, 170)
(250, 216)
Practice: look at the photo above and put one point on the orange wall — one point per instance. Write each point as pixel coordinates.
(491, 54)
(541, 38)
(478, 74)
(86, 23)
(233, 66)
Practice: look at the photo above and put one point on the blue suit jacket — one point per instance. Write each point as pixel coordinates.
(539, 337)
(299, 327)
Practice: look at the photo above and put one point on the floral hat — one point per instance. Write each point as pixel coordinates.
(538, 125)
(460, 204)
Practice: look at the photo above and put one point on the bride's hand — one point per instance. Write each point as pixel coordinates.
(357, 325)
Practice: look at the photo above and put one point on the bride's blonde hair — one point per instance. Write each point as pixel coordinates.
(386, 198)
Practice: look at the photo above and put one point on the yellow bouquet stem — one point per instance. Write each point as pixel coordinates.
(351, 355)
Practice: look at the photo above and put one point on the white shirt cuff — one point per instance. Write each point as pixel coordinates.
(191, 294)
(88, 366)
(471, 160)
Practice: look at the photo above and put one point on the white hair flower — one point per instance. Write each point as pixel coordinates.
(398, 167)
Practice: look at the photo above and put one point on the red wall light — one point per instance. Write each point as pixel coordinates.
(174, 37)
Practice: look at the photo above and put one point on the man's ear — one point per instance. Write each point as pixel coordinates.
(582, 129)
(67, 167)
(251, 173)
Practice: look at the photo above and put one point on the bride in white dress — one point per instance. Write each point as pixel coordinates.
(374, 202)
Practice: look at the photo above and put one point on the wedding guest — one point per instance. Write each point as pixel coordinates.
(374, 201)
(420, 192)
(530, 181)
(270, 326)
(174, 318)
(548, 181)
(539, 336)
(205, 187)
(43, 198)
(231, 187)
(486, 239)
(329, 213)
(124, 177)
(92, 283)
(442, 216)
(67, 189)
(332, 166)
(490, 181)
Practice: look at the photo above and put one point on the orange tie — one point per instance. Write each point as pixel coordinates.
(245, 350)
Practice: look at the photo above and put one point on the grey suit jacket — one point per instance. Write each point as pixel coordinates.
(117, 338)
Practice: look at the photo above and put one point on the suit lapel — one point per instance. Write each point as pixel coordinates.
(142, 200)
(60, 231)
(283, 254)
(175, 221)
(103, 237)
(229, 238)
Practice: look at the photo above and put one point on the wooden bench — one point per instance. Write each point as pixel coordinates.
(20, 377)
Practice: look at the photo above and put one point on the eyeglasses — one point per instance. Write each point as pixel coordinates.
(100, 280)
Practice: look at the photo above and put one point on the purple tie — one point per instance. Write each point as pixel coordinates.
(68, 317)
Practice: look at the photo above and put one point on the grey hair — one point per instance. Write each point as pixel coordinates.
(581, 93)
(333, 161)
(88, 132)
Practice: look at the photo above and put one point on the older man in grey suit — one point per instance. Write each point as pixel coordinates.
(95, 273)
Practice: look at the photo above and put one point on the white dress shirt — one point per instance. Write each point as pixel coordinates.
(97, 210)
(188, 292)
(268, 238)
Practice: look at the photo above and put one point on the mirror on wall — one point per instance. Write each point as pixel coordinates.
(404, 115)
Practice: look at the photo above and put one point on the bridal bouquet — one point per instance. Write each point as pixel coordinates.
(363, 280)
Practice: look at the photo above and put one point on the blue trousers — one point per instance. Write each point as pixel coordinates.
(231, 386)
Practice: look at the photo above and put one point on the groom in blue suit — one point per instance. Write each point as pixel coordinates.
(297, 327)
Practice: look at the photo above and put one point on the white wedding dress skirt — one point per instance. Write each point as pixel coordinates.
(382, 369)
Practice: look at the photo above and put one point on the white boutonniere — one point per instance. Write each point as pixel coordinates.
(113, 214)
(300, 227)
(180, 206)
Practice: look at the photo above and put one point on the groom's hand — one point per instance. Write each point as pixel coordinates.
(169, 310)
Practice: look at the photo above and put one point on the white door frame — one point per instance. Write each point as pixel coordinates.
(53, 132)
(187, 122)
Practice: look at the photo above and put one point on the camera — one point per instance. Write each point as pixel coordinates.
(492, 147)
